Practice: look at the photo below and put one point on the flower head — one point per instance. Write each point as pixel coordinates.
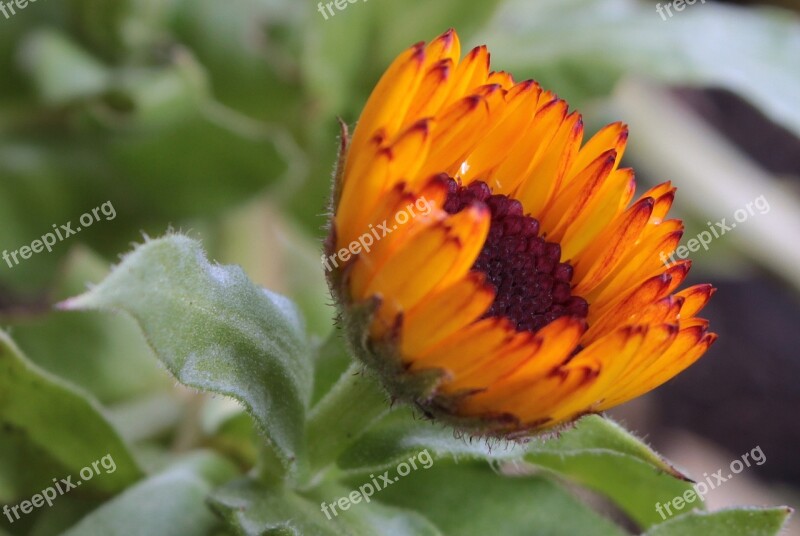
(489, 264)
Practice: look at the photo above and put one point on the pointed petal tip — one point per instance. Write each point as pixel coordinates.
(448, 37)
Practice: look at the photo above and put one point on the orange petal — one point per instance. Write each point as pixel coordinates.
(560, 136)
(373, 179)
(504, 79)
(570, 202)
(437, 257)
(645, 260)
(445, 47)
(496, 144)
(444, 313)
(658, 340)
(432, 91)
(695, 298)
(624, 309)
(470, 227)
(386, 106)
(612, 199)
(613, 136)
(484, 370)
(472, 72)
(602, 257)
(457, 131)
(559, 339)
(384, 237)
(690, 344)
(463, 347)
(608, 356)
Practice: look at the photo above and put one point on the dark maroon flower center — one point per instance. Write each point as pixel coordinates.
(532, 284)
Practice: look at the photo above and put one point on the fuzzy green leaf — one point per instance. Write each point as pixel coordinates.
(256, 509)
(469, 500)
(603, 456)
(215, 331)
(596, 453)
(401, 435)
(172, 503)
(49, 429)
(734, 522)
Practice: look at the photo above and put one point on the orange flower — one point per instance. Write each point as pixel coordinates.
(489, 265)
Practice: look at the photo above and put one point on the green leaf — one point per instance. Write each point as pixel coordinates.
(596, 433)
(402, 435)
(24, 466)
(62, 70)
(160, 98)
(50, 426)
(65, 512)
(148, 417)
(254, 509)
(603, 456)
(596, 453)
(257, 509)
(734, 522)
(469, 500)
(581, 48)
(172, 503)
(215, 331)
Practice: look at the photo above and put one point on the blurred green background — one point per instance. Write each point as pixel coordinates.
(219, 119)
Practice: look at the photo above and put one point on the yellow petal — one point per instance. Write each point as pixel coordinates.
(606, 253)
(444, 313)
(459, 350)
(695, 298)
(472, 72)
(386, 106)
(392, 165)
(578, 196)
(553, 157)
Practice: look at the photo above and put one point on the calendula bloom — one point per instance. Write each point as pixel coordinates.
(489, 265)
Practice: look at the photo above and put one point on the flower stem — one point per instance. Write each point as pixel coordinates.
(355, 402)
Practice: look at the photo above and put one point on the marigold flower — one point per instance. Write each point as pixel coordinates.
(520, 288)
